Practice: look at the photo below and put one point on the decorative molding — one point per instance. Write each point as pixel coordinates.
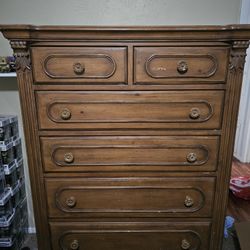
(210, 71)
(195, 236)
(240, 44)
(88, 191)
(238, 55)
(196, 148)
(18, 45)
(234, 80)
(21, 53)
(138, 105)
(31, 230)
(74, 60)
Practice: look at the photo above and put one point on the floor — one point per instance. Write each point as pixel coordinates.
(30, 243)
(239, 209)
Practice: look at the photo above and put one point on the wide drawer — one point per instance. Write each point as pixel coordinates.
(130, 197)
(130, 109)
(80, 64)
(127, 153)
(130, 236)
(162, 65)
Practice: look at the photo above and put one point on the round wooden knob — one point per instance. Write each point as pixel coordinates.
(185, 245)
(182, 67)
(66, 114)
(78, 68)
(189, 202)
(192, 157)
(74, 245)
(69, 157)
(194, 113)
(71, 201)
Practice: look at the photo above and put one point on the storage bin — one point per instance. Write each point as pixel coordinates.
(7, 153)
(8, 127)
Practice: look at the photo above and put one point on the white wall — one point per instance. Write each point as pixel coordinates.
(118, 12)
(242, 142)
(9, 104)
(106, 12)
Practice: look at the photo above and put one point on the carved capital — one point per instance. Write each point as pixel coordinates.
(240, 44)
(238, 55)
(21, 53)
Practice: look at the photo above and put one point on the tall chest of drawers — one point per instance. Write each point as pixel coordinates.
(129, 132)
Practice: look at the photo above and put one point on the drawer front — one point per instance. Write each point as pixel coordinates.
(126, 153)
(84, 64)
(132, 236)
(130, 110)
(162, 65)
(135, 197)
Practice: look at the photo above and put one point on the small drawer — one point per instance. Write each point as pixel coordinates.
(132, 236)
(130, 109)
(135, 197)
(79, 64)
(163, 65)
(129, 153)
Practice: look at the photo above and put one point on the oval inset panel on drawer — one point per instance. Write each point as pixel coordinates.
(130, 110)
(132, 236)
(166, 64)
(110, 153)
(136, 197)
(80, 64)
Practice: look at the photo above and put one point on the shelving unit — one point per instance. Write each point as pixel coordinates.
(13, 203)
(11, 74)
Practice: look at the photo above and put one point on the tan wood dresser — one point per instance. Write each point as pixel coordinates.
(129, 132)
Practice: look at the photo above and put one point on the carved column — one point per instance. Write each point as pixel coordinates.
(233, 84)
(27, 99)
(21, 54)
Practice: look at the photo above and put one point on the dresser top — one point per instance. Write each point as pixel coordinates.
(57, 33)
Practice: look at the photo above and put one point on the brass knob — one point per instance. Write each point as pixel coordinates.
(192, 157)
(189, 202)
(185, 245)
(74, 245)
(66, 114)
(194, 113)
(78, 68)
(71, 201)
(69, 157)
(182, 67)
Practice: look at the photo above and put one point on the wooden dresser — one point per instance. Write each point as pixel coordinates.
(129, 132)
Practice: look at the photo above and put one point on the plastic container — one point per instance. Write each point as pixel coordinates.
(22, 190)
(7, 153)
(6, 209)
(20, 169)
(240, 186)
(12, 236)
(14, 126)
(15, 199)
(2, 181)
(11, 179)
(18, 149)
(9, 168)
(5, 129)
(5, 196)
(22, 209)
(8, 127)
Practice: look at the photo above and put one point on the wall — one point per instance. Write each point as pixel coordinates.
(242, 143)
(107, 12)
(9, 104)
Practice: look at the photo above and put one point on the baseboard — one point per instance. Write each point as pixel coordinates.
(31, 230)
